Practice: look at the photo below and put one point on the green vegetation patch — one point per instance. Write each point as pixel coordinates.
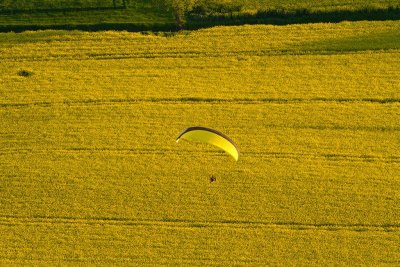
(87, 15)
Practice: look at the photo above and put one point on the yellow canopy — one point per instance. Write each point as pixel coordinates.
(210, 136)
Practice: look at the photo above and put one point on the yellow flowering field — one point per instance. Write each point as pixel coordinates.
(90, 173)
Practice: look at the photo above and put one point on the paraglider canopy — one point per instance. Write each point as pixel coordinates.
(210, 136)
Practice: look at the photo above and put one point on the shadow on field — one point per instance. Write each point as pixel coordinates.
(285, 17)
(197, 21)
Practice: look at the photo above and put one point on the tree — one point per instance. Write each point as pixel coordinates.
(124, 4)
(180, 8)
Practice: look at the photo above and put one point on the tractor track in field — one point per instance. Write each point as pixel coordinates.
(201, 100)
(394, 159)
(10, 220)
(194, 54)
(265, 154)
(327, 156)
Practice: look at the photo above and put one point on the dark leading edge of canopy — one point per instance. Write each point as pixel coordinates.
(210, 130)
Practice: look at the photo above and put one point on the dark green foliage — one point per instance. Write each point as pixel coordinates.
(25, 73)
(180, 9)
(212, 7)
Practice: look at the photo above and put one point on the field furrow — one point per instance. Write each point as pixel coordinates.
(109, 221)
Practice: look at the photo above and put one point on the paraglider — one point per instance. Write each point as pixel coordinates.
(210, 136)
